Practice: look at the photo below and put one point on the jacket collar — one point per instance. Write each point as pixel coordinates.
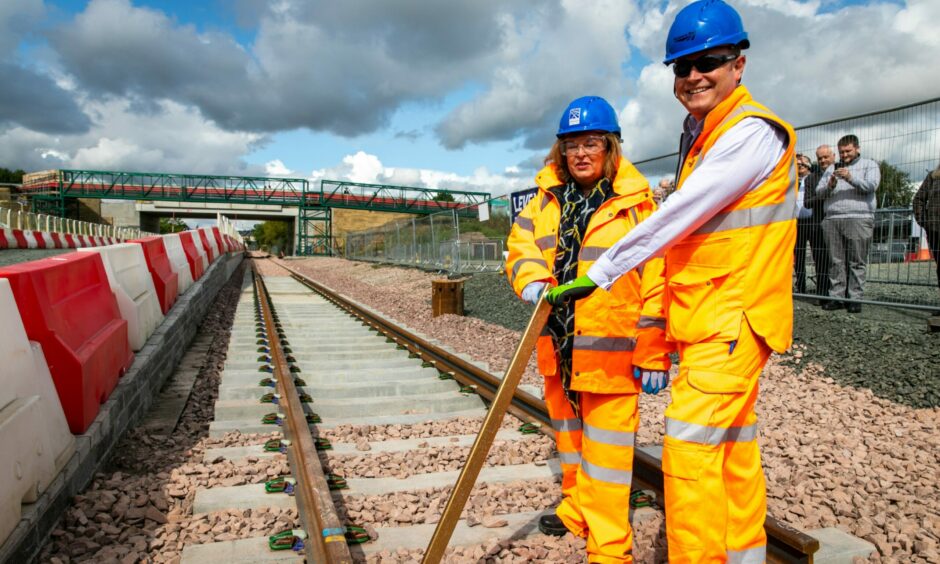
(627, 182)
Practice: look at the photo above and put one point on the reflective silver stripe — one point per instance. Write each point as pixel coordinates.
(623, 477)
(546, 242)
(608, 437)
(520, 262)
(570, 457)
(604, 344)
(525, 223)
(702, 434)
(749, 217)
(545, 201)
(566, 425)
(636, 220)
(647, 321)
(756, 555)
(591, 253)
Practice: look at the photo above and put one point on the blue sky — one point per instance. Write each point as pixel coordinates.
(462, 95)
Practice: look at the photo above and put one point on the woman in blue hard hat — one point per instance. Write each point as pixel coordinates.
(597, 353)
(727, 235)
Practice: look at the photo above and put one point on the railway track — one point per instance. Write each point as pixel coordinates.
(389, 433)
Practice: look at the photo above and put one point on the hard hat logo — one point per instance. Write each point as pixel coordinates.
(704, 25)
(574, 116)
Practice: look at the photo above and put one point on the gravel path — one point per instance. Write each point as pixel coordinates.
(844, 444)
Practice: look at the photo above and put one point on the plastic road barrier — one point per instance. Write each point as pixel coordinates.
(24, 373)
(165, 281)
(195, 254)
(133, 288)
(66, 305)
(208, 244)
(217, 237)
(178, 261)
(34, 437)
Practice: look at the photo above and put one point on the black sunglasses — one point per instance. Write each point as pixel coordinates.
(705, 64)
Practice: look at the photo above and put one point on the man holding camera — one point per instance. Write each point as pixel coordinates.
(849, 188)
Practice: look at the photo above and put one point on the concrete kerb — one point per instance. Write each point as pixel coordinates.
(123, 409)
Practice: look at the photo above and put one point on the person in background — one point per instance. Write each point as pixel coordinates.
(661, 192)
(927, 212)
(849, 187)
(728, 234)
(598, 353)
(804, 225)
(816, 201)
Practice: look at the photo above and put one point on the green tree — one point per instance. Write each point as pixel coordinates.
(171, 225)
(443, 196)
(14, 176)
(272, 234)
(895, 190)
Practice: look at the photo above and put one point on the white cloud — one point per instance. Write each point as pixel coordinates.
(366, 168)
(168, 138)
(277, 168)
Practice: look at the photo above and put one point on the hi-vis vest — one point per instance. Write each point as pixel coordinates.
(614, 329)
(739, 262)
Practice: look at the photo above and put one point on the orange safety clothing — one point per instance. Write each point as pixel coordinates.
(728, 302)
(615, 330)
(600, 504)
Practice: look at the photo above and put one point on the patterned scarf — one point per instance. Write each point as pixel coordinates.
(576, 212)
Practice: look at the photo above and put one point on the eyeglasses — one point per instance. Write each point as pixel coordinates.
(590, 145)
(804, 165)
(704, 65)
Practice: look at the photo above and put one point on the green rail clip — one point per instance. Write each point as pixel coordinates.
(529, 428)
(356, 535)
(288, 540)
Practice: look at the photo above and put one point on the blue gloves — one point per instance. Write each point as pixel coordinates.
(652, 380)
(532, 292)
(580, 287)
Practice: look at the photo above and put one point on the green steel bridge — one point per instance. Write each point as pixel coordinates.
(51, 189)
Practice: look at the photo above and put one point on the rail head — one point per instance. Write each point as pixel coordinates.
(326, 542)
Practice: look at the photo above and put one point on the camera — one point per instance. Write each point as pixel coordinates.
(839, 165)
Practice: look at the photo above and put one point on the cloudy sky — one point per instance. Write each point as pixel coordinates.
(414, 92)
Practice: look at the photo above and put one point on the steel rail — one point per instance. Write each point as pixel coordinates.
(326, 541)
(785, 545)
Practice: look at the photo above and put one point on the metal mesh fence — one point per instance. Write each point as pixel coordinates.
(904, 141)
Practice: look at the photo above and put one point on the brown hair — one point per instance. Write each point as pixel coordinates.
(611, 162)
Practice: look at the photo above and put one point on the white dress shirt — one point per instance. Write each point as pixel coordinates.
(741, 160)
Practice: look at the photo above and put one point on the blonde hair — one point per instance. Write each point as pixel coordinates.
(611, 162)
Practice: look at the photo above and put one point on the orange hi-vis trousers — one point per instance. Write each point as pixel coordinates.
(598, 508)
(716, 498)
(567, 428)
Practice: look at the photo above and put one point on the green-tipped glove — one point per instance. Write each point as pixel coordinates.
(580, 287)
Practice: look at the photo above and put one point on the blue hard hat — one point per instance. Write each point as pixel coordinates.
(703, 25)
(588, 113)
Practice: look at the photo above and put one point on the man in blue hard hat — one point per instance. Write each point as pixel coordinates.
(727, 235)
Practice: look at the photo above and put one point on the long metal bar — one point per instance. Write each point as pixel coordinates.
(786, 545)
(326, 542)
(481, 446)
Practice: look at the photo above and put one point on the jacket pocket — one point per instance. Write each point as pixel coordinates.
(545, 354)
(694, 311)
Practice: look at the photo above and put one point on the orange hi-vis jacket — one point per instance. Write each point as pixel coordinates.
(615, 329)
(739, 262)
